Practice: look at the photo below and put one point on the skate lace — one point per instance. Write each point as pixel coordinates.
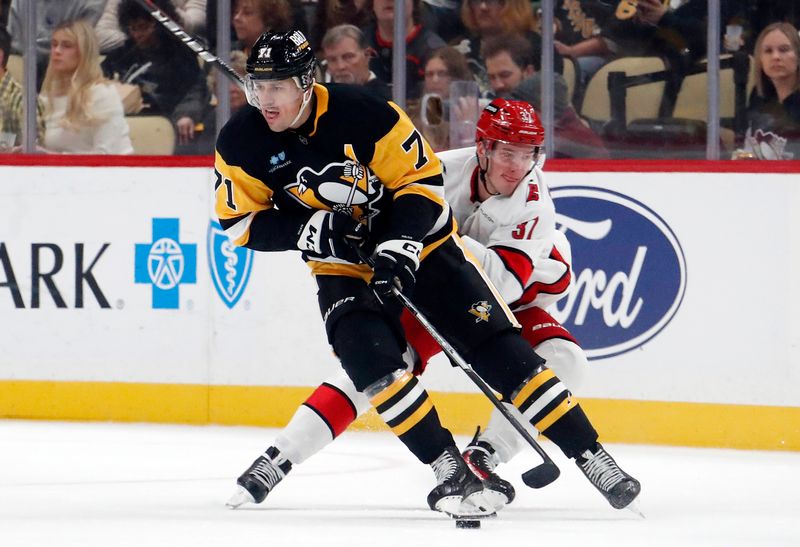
(445, 467)
(269, 473)
(602, 470)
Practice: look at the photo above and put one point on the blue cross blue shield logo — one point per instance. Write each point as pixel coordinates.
(230, 265)
(166, 263)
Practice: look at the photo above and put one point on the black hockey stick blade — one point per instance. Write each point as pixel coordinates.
(541, 475)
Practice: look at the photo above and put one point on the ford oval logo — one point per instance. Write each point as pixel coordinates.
(629, 270)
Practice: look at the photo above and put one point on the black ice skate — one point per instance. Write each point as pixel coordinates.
(482, 460)
(619, 488)
(260, 478)
(458, 492)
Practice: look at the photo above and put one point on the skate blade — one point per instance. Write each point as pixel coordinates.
(474, 506)
(634, 508)
(238, 499)
(497, 500)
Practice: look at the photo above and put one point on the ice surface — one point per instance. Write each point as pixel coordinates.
(103, 484)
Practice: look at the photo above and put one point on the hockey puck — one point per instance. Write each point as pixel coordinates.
(464, 523)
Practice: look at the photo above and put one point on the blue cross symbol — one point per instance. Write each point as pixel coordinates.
(166, 263)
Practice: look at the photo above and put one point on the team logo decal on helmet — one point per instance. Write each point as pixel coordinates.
(510, 121)
(279, 56)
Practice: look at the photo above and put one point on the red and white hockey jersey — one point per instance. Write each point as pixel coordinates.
(514, 237)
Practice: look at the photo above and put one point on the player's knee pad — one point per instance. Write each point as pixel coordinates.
(367, 348)
(505, 361)
(567, 359)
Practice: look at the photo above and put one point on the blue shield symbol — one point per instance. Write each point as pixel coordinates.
(230, 265)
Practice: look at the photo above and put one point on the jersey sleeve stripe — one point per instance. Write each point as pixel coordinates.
(556, 287)
(516, 262)
(239, 230)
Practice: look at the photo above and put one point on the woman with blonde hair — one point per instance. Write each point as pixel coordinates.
(773, 111)
(83, 112)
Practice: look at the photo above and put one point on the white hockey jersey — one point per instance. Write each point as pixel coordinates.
(514, 237)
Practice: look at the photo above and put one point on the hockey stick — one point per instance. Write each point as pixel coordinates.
(536, 477)
(195, 45)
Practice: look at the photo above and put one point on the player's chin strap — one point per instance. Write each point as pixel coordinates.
(482, 172)
(307, 94)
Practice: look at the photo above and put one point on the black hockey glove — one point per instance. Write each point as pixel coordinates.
(332, 234)
(395, 264)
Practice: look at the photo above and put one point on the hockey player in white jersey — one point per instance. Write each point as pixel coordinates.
(506, 219)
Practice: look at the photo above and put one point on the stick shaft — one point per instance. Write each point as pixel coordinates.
(453, 354)
(456, 357)
(196, 46)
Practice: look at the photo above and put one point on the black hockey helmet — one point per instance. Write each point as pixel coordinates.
(282, 55)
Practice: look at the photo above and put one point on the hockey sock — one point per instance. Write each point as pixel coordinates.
(551, 409)
(409, 412)
(317, 422)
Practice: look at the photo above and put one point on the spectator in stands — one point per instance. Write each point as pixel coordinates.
(331, 13)
(252, 18)
(773, 111)
(191, 15)
(443, 17)
(420, 43)
(485, 19)
(297, 18)
(347, 55)
(432, 115)
(653, 28)
(5, 5)
(512, 75)
(579, 24)
(49, 14)
(172, 82)
(11, 111)
(509, 60)
(83, 113)
(444, 66)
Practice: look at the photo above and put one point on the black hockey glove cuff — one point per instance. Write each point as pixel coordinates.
(332, 234)
(395, 264)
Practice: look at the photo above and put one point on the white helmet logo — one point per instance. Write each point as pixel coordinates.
(264, 53)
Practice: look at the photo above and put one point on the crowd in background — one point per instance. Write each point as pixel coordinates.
(101, 63)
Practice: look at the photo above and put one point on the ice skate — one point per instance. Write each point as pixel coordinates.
(459, 492)
(619, 488)
(482, 460)
(260, 478)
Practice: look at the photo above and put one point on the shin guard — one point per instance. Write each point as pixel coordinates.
(409, 412)
(551, 409)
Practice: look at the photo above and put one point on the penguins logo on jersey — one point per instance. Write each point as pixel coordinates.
(481, 311)
(347, 187)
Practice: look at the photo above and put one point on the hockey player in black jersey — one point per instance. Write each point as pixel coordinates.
(325, 168)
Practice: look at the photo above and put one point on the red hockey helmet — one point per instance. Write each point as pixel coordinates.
(510, 121)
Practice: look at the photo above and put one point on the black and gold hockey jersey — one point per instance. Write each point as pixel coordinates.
(356, 155)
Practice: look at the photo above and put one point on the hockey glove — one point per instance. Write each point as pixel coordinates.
(395, 263)
(332, 234)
